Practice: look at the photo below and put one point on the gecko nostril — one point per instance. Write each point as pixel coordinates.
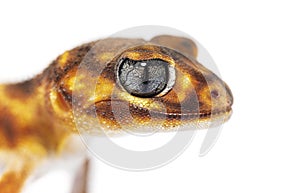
(214, 94)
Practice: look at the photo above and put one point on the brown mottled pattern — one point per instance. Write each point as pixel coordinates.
(23, 89)
(7, 128)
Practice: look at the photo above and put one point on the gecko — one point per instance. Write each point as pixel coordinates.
(159, 82)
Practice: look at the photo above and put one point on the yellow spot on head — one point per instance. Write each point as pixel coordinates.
(186, 82)
(184, 88)
(63, 59)
(106, 56)
(134, 55)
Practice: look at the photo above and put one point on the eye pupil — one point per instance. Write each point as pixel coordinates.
(145, 78)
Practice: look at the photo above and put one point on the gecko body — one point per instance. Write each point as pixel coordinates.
(136, 84)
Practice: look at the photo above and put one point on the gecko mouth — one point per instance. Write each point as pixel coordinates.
(187, 115)
(195, 115)
(120, 109)
(116, 114)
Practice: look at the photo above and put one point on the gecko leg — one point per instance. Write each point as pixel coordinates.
(13, 181)
(81, 178)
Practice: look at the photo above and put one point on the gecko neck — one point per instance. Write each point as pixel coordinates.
(34, 106)
(20, 99)
(24, 113)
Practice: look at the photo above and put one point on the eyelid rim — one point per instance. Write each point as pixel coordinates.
(170, 83)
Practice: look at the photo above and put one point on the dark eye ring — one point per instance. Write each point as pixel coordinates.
(146, 78)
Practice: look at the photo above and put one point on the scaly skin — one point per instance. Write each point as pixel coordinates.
(37, 116)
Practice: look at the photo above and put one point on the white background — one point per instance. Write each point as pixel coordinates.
(256, 46)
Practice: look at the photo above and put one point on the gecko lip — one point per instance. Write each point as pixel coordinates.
(190, 115)
(117, 107)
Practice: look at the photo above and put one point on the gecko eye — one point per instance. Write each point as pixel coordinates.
(146, 78)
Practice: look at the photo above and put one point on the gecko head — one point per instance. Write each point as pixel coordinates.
(146, 84)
